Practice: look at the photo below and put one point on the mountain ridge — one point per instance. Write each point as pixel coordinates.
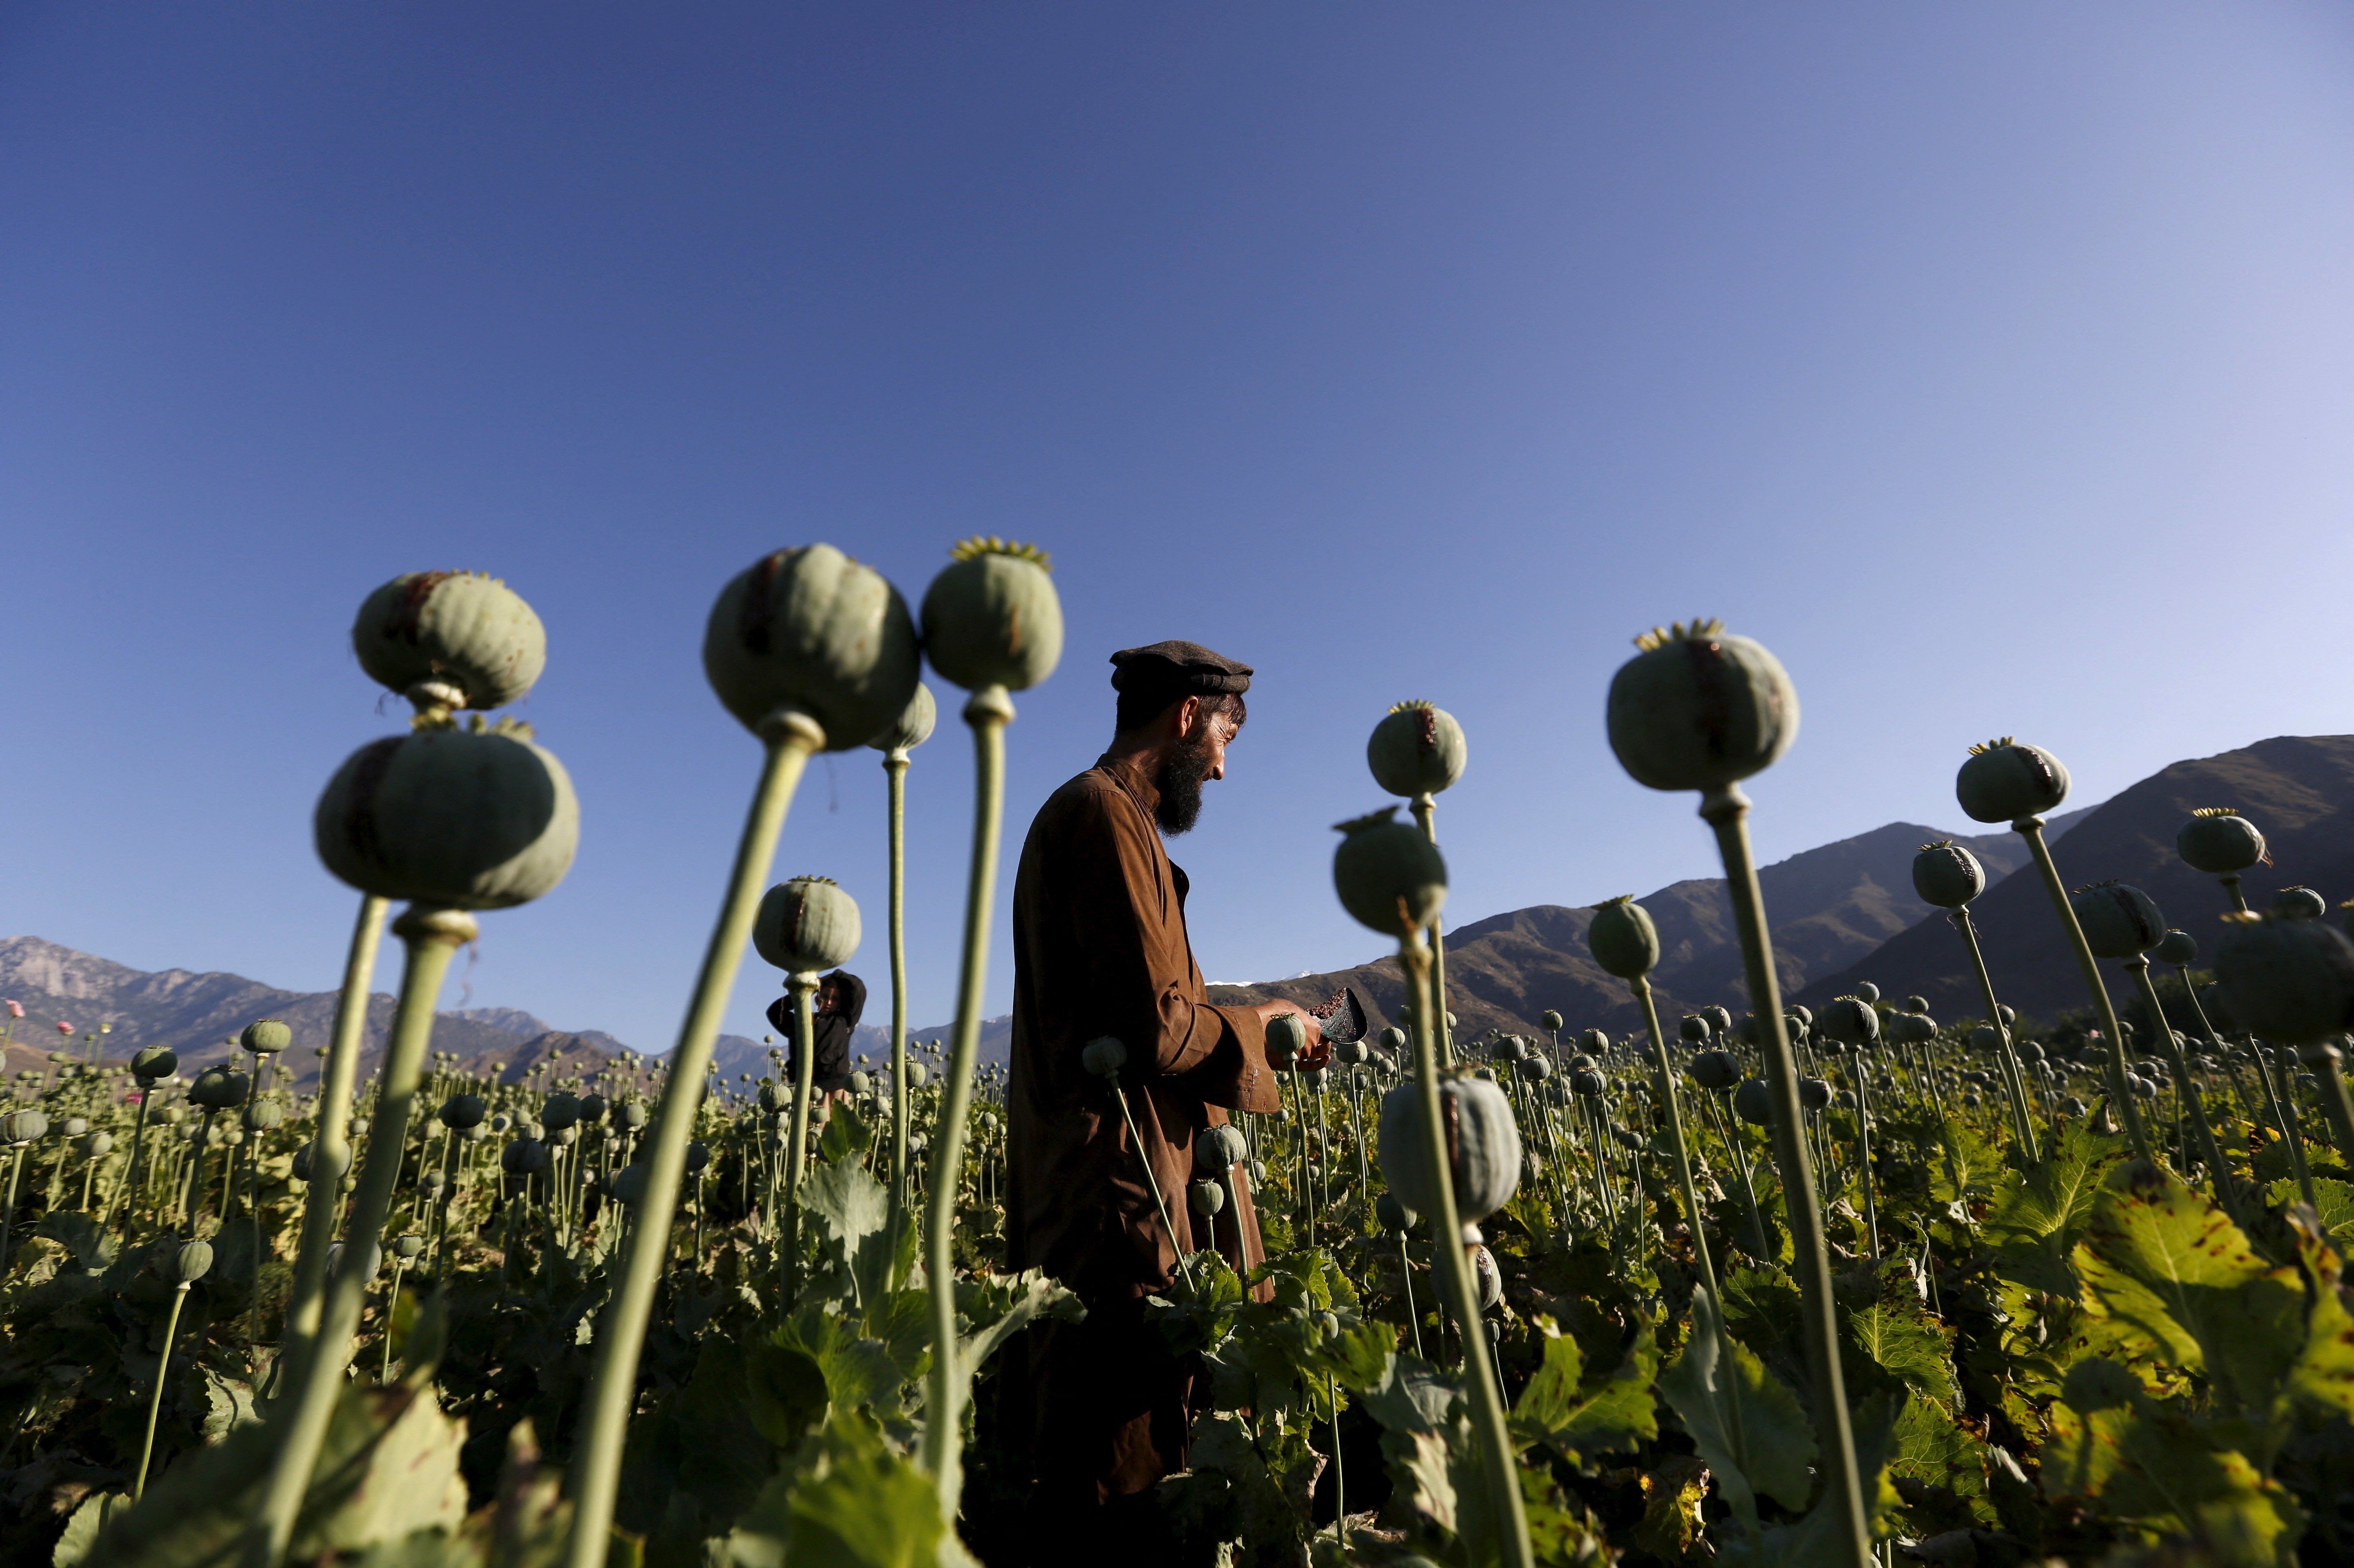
(1826, 907)
(2297, 789)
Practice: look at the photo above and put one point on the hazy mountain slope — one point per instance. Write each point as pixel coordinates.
(197, 1014)
(2299, 790)
(1827, 908)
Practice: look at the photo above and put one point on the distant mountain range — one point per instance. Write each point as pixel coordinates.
(2298, 789)
(197, 1015)
(1827, 907)
(1840, 914)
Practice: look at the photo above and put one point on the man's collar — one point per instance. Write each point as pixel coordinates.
(1129, 773)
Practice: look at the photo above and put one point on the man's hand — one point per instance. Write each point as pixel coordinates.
(1319, 1052)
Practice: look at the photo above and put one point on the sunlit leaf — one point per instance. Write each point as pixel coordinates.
(1746, 1424)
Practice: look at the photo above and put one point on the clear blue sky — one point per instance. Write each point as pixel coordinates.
(1994, 365)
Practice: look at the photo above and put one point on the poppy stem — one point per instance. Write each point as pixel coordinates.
(1726, 810)
(791, 736)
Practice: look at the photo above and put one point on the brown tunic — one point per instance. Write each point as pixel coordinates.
(1100, 948)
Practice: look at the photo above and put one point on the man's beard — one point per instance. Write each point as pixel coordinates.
(1179, 781)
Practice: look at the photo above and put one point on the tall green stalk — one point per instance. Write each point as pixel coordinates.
(1462, 1291)
(127, 1192)
(804, 989)
(2031, 830)
(1726, 810)
(2186, 1090)
(790, 737)
(1673, 1112)
(1424, 807)
(613, 1381)
(988, 713)
(330, 1147)
(2327, 1064)
(2014, 1083)
(2285, 1116)
(894, 770)
(155, 1400)
(431, 936)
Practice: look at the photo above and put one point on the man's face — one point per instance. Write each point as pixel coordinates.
(1199, 755)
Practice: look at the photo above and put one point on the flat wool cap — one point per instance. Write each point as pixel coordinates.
(1178, 666)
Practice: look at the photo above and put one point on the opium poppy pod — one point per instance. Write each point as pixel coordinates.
(1103, 1057)
(1552, 1020)
(912, 727)
(266, 1036)
(1715, 1070)
(1623, 940)
(462, 639)
(1218, 1149)
(1946, 874)
(1488, 1277)
(1720, 1018)
(1867, 991)
(2218, 840)
(1287, 1037)
(24, 1126)
(559, 1112)
(153, 1062)
(2003, 781)
(1483, 1145)
(807, 925)
(1851, 1021)
(468, 819)
(2177, 948)
(524, 1157)
(220, 1088)
(2119, 920)
(1206, 1198)
(2287, 981)
(1699, 708)
(1752, 1101)
(1388, 874)
(991, 617)
(1694, 1027)
(1393, 1216)
(813, 630)
(1417, 750)
(2299, 904)
(190, 1262)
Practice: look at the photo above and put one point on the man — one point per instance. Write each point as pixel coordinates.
(834, 1011)
(1100, 948)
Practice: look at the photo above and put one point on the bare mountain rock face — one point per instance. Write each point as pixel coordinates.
(197, 1015)
(2297, 789)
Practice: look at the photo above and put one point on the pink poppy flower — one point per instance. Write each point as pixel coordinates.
(63, 1027)
(15, 1010)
